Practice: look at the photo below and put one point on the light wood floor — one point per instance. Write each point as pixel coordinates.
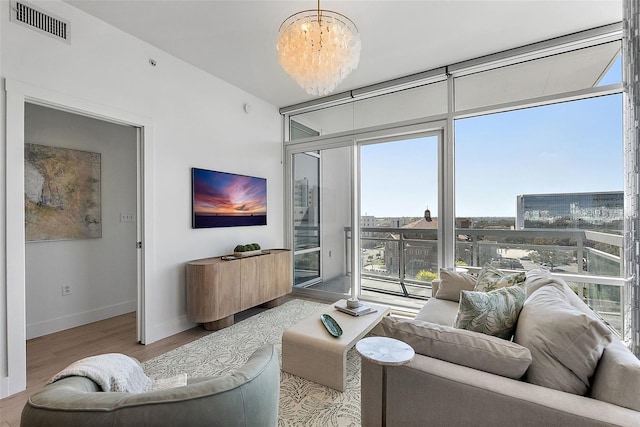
(49, 354)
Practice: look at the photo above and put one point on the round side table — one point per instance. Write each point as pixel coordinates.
(386, 352)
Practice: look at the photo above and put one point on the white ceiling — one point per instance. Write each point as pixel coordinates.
(235, 40)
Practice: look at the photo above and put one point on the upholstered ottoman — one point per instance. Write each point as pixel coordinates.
(309, 351)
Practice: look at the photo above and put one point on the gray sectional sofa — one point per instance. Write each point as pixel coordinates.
(562, 368)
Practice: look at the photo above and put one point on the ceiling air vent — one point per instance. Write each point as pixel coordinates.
(37, 19)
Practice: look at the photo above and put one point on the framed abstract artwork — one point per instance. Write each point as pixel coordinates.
(62, 193)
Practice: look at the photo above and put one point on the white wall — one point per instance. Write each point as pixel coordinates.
(102, 272)
(198, 120)
(336, 209)
(4, 376)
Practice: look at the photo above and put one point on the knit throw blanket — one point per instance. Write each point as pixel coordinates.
(112, 372)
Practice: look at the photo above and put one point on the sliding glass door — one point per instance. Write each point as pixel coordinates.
(399, 217)
(306, 218)
(321, 211)
(392, 185)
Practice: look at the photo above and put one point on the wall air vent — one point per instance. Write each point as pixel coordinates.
(37, 19)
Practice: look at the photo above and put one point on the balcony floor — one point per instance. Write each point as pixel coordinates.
(386, 291)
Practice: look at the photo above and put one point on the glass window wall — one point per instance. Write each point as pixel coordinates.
(411, 104)
(543, 187)
(484, 183)
(552, 75)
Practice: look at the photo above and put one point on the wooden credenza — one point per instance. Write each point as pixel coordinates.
(217, 289)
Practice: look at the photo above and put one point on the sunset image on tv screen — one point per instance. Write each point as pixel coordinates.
(223, 199)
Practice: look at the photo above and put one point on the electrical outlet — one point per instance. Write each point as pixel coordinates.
(66, 290)
(127, 217)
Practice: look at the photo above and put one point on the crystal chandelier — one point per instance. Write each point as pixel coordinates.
(318, 48)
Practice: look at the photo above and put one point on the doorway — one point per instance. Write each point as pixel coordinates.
(18, 94)
(399, 216)
(80, 227)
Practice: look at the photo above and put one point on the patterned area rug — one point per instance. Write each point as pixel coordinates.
(302, 403)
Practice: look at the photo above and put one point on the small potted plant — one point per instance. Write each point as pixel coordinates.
(250, 249)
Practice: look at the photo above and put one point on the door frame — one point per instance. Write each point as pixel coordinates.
(17, 94)
(444, 184)
(354, 140)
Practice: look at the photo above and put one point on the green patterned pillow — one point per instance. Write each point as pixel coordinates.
(490, 278)
(492, 313)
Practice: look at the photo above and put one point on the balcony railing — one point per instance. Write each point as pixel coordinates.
(402, 262)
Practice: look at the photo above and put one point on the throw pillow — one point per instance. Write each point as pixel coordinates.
(565, 343)
(492, 313)
(451, 283)
(539, 277)
(490, 278)
(466, 348)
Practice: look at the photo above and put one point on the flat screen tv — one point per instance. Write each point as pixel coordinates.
(222, 199)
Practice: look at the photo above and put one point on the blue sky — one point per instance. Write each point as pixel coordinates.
(567, 147)
(399, 178)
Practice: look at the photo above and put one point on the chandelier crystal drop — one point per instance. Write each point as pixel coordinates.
(318, 48)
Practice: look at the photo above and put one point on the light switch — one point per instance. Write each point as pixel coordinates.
(127, 217)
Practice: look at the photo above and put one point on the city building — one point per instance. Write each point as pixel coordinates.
(414, 247)
(597, 210)
(367, 221)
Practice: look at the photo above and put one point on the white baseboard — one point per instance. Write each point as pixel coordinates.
(4, 388)
(78, 319)
(166, 329)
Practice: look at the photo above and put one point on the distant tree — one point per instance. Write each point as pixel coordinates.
(550, 257)
(426, 275)
(498, 223)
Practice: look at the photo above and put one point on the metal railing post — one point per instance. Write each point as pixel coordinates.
(401, 260)
(346, 250)
(579, 260)
(474, 245)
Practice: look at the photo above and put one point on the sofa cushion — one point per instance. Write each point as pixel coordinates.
(492, 313)
(440, 311)
(537, 278)
(490, 278)
(459, 346)
(617, 378)
(565, 343)
(451, 283)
